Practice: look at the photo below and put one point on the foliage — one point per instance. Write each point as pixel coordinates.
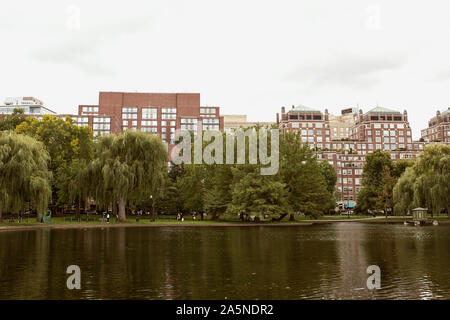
(126, 168)
(427, 183)
(24, 177)
(11, 121)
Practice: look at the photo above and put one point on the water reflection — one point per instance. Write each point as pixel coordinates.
(309, 262)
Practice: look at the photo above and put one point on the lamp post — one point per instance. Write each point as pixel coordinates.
(153, 208)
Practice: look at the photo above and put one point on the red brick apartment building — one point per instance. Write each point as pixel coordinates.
(438, 128)
(380, 128)
(159, 113)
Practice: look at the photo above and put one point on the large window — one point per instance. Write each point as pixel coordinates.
(129, 113)
(149, 113)
(189, 124)
(91, 109)
(168, 113)
(210, 124)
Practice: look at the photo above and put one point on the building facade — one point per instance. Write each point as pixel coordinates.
(345, 140)
(30, 106)
(438, 128)
(159, 113)
(341, 125)
(313, 125)
(235, 121)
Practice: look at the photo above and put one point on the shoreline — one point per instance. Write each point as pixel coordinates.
(378, 220)
(161, 224)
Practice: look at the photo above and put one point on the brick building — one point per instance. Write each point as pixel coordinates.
(345, 140)
(160, 113)
(313, 125)
(438, 128)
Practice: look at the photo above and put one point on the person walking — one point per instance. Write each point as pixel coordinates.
(107, 218)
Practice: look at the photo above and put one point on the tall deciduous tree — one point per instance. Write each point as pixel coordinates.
(432, 183)
(301, 173)
(65, 142)
(257, 195)
(11, 121)
(24, 177)
(127, 167)
(376, 194)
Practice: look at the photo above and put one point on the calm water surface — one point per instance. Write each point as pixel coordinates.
(307, 262)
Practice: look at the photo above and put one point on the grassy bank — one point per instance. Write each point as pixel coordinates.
(165, 220)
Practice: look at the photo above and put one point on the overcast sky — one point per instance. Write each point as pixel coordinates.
(247, 57)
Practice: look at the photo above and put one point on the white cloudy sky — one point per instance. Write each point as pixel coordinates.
(245, 56)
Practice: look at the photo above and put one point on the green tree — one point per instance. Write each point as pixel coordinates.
(403, 192)
(432, 183)
(330, 177)
(301, 173)
(11, 121)
(191, 186)
(24, 177)
(65, 142)
(73, 183)
(376, 192)
(257, 195)
(126, 168)
(63, 139)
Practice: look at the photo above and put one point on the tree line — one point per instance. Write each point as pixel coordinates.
(397, 187)
(53, 162)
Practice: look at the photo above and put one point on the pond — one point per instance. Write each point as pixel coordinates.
(327, 261)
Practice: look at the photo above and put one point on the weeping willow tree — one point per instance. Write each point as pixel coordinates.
(432, 186)
(427, 183)
(24, 176)
(127, 168)
(73, 183)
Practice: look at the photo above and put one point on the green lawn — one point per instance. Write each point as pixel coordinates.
(170, 219)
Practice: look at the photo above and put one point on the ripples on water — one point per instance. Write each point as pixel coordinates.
(308, 262)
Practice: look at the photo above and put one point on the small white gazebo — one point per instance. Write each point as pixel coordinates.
(419, 214)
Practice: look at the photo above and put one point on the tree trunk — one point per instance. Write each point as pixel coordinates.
(122, 216)
(1, 215)
(153, 210)
(77, 212)
(447, 207)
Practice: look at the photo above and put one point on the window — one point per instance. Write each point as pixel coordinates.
(208, 110)
(89, 109)
(149, 113)
(129, 112)
(147, 129)
(189, 124)
(149, 123)
(168, 113)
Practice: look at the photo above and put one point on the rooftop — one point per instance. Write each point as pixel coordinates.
(301, 108)
(382, 110)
